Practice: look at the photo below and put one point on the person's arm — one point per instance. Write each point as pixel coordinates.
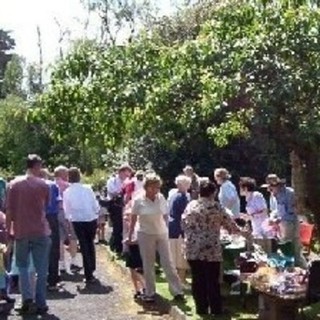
(93, 200)
(132, 226)
(66, 205)
(164, 208)
(9, 209)
(133, 220)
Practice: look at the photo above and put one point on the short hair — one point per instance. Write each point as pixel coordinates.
(74, 175)
(248, 183)
(222, 173)
(207, 189)
(151, 179)
(33, 160)
(60, 169)
(183, 180)
(188, 167)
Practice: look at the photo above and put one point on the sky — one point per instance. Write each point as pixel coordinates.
(23, 16)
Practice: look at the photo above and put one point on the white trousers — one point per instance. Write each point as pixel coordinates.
(149, 244)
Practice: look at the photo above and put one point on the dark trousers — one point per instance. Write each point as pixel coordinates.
(115, 214)
(86, 232)
(206, 286)
(53, 273)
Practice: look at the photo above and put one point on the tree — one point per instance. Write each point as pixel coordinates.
(7, 43)
(121, 20)
(18, 136)
(266, 58)
(13, 77)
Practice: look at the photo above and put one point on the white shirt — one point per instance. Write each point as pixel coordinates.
(114, 186)
(228, 197)
(151, 214)
(80, 204)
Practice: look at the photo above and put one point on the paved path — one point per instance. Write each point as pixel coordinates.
(111, 300)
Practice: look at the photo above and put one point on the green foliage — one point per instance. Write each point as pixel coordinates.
(97, 179)
(13, 77)
(7, 43)
(18, 137)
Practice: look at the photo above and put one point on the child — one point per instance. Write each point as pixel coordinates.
(3, 253)
(133, 258)
(101, 229)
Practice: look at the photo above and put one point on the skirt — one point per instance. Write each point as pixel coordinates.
(133, 257)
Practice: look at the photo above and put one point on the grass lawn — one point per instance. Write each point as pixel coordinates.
(236, 311)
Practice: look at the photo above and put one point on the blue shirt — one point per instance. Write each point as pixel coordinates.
(285, 204)
(55, 198)
(177, 205)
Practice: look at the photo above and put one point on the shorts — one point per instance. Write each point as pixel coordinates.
(133, 258)
(66, 229)
(177, 255)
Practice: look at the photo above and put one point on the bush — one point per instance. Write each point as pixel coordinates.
(97, 179)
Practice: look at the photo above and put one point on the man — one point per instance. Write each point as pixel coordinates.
(195, 183)
(282, 206)
(115, 206)
(82, 209)
(27, 199)
(52, 212)
(67, 234)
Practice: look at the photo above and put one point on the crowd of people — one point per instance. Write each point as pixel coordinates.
(181, 232)
(44, 219)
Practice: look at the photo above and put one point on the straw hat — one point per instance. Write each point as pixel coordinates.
(273, 180)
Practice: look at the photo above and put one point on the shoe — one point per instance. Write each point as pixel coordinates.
(53, 288)
(92, 280)
(148, 299)
(179, 298)
(74, 267)
(9, 299)
(137, 296)
(42, 310)
(28, 307)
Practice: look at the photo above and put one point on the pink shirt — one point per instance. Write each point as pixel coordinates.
(27, 198)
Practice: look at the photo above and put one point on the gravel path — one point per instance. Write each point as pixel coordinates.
(111, 300)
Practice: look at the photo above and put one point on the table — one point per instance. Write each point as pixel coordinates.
(280, 306)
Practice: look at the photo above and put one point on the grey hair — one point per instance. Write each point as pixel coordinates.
(183, 180)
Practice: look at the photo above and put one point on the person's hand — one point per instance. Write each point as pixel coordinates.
(127, 241)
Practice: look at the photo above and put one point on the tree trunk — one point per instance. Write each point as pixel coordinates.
(298, 177)
(312, 162)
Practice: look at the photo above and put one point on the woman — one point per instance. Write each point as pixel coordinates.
(201, 223)
(177, 205)
(228, 195)
(150, 209)
(82, 209)
(256, 207)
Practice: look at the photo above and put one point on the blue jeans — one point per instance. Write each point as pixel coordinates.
(39, 247)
